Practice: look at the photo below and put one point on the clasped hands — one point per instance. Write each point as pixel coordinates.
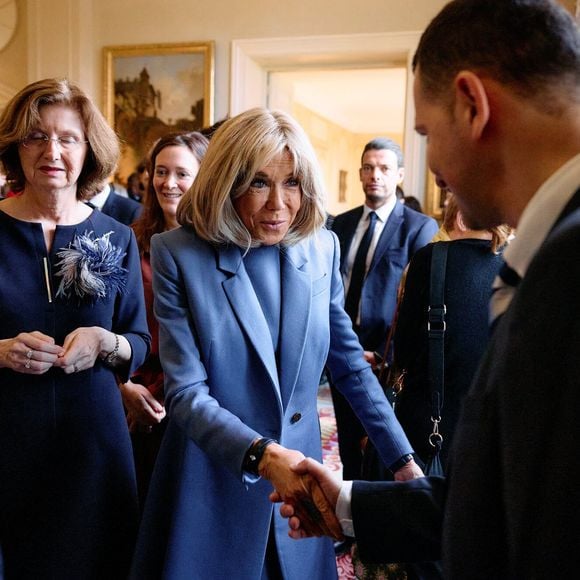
(300, 492)
(35, 352)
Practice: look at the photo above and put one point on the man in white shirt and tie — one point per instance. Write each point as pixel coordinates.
(377, 241)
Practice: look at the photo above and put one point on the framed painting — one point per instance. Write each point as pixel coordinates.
(154, 89)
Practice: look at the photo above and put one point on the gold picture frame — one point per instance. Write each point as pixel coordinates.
(153, 89)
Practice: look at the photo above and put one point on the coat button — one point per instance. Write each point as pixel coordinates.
(295, 418)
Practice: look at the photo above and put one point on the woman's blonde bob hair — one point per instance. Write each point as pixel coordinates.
(500, 235)
(22, 115)
(238, 150)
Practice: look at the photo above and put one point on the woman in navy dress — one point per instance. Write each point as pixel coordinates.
(72, 317)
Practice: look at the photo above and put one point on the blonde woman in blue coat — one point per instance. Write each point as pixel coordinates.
(249, 299)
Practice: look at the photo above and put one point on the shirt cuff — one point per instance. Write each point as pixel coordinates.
(343, 509)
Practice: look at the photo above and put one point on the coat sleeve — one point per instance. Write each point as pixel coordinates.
(130, 317)
(216, 430)
(398, 522)
(353, 377)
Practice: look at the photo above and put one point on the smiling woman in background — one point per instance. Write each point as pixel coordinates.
(173, 164)
(249, 297)
(72, 316)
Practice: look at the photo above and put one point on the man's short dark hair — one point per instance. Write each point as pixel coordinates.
(531, 45)
(385, 143)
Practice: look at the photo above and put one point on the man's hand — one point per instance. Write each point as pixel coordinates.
(324, 489)
(409, 471)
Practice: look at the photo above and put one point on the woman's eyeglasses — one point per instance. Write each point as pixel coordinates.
(38, 140)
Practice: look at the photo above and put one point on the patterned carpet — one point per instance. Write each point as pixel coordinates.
(331, 457)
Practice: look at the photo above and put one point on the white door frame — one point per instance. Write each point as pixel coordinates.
(253, 59)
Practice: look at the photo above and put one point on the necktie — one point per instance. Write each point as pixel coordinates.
(504, 287)
(359, 270)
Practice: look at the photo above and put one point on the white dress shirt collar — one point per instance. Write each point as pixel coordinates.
(541, 214)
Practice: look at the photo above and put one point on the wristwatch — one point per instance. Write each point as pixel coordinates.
(400, 463)
(254, 455)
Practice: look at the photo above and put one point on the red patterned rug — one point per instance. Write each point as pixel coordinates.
(331, 458)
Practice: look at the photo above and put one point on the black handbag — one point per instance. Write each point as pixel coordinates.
(390, 377)
(436, 327)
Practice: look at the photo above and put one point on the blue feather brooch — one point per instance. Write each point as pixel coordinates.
(90, 268)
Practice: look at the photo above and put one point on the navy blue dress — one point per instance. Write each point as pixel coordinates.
(68, 500)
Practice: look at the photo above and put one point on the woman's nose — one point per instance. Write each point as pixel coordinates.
(52, 149)
(171, 181)
(276, 197)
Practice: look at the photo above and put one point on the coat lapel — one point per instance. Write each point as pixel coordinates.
(295, 315)
(345, 240)
(242, 298)
(392, 225)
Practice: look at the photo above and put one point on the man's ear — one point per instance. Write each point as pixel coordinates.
(471, 102)
(401, 175)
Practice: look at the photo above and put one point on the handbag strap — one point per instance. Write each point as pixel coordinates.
(436, 327)
(384, 364)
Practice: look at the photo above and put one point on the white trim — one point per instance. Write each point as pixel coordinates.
(253, 59)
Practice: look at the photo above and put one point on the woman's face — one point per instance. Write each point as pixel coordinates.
(269, 206)
(174, 172)
(55, 164)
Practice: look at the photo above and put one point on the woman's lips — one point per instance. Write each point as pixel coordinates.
(273, 225)
(51, 170)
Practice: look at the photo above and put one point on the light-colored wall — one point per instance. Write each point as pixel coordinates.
(337, 149)
(66, 37)
(13, 57)
(134, 21)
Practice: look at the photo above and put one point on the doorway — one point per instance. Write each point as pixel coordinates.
(261, 66)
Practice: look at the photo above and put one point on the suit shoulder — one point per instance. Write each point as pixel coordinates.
(417, 217)
(560, 249)
(347, 216)
(178, 237)
(105, 223)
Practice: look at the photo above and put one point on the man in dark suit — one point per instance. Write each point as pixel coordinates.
(497, 92)
(377, 241)
(121, 208)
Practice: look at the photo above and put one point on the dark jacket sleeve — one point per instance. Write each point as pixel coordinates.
(399, 521)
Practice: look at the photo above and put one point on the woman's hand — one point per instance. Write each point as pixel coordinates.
(301, 491)
(325, 491)
(31, 353)
(81, 348)
(83, 345)
(143, 409)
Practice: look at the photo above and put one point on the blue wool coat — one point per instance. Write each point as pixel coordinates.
(204, 517)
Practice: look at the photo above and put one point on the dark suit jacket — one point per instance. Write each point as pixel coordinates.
(404, 233)
(121, 208)
(512, 500)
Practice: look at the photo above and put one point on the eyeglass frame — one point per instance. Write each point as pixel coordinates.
(42, 142)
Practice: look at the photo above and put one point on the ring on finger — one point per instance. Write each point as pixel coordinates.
(28, 364)
(29, 354)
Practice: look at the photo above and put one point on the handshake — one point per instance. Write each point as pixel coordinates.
(309, 502)
(309, 491)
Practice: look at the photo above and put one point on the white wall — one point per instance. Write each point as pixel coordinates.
(66, 37)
